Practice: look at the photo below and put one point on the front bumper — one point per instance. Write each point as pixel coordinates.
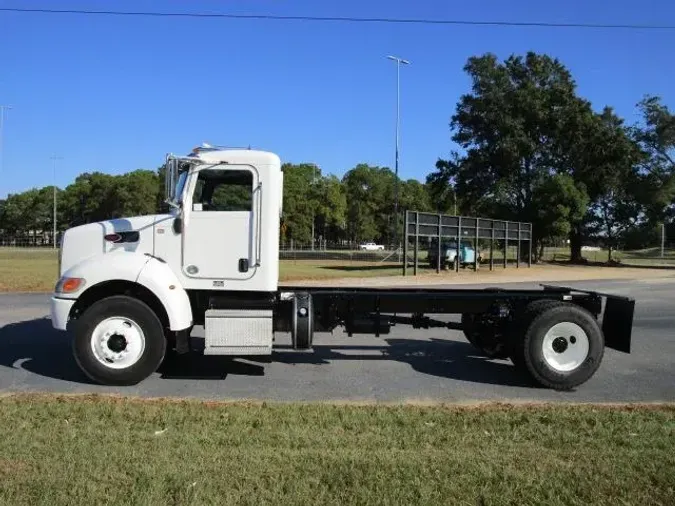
(60, 311)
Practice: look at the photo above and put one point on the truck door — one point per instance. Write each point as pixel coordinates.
(221, 233)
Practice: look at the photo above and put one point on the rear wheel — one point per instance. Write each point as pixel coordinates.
(119, 341)
(562, 345)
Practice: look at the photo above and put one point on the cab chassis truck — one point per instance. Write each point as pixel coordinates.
(132, 289)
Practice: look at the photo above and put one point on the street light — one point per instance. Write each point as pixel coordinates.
(54, 158)
(399, 62)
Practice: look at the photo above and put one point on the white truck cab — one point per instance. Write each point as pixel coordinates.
(220, 236)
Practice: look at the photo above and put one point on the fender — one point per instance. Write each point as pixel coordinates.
(139, 268)
(158, 277)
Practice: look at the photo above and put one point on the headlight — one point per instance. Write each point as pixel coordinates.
(69, 285)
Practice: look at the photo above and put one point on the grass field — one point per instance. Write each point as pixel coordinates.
(35, 270)
(28, 270)
(113, 451)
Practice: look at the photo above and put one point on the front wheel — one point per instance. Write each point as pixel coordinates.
(119, 340)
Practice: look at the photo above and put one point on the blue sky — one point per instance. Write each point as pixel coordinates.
(116, 93)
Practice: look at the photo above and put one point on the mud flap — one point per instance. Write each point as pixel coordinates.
(617, 323)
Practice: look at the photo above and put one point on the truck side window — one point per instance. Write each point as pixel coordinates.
(224, 190)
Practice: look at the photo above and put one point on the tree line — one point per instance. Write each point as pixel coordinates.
(528, 148)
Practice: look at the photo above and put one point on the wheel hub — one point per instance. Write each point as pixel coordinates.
(565, 346)
(559, 345)
(117, 342)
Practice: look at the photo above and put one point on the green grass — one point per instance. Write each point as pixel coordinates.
(290, 270)
(28, 270)
(644, 257)
(88, 451)
(35, 270)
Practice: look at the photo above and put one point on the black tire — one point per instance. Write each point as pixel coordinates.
(131, 309)
(531, 310)
(529, 348)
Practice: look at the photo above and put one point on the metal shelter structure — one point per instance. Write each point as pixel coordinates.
(456, 229)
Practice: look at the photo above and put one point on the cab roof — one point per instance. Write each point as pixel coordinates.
(235, 156)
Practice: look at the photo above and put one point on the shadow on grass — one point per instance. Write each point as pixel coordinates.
(362, 268)
(399, 267)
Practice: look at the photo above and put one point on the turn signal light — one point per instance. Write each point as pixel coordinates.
(69, 285)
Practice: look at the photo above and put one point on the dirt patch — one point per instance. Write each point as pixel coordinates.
(10, 468)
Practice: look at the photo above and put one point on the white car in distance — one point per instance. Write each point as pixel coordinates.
(371, 246)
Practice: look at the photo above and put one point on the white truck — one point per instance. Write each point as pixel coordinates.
(132, 289)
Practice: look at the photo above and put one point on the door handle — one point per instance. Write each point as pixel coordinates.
(243, 265)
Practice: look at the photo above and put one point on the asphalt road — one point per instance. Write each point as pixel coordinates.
(407, 365)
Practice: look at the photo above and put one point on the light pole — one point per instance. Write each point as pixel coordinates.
(54, 158)
(399, 62)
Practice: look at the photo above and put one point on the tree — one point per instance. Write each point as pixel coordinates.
(508, 127)
(370, 203)
(559, 202)
(597, 151)
(522, 128)
(330, 208)
(656, 138)
(414, 196)
(442, 186)
(137, 192)
(300, 201)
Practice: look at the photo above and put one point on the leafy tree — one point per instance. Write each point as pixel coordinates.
(559, 202)
(442, 187)
(656, 138)
(522, 128)
(138, 192)
(599, 154)
(370, 203)
(299, 201)
(331, 208)
(414, 196)
(508, 127)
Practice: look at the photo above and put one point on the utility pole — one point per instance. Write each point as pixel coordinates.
(399, 62)
(663, 239)
(54, 158)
